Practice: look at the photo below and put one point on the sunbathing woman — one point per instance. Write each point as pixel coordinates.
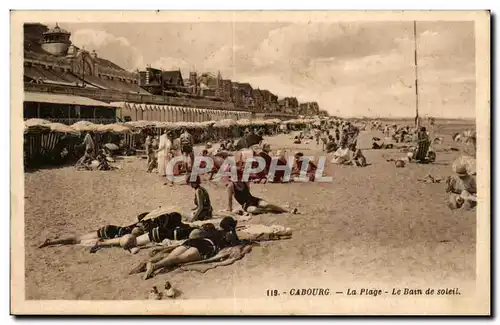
(106, 232)
(251, 204)
(205, 246)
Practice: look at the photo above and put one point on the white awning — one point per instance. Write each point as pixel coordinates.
(62, 99)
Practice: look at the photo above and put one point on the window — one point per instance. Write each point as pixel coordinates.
(30, 110)
(86, 112)
(105, 112)
(45, 111)
(61, 111)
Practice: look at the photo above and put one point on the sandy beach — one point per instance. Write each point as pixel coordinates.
(370, 225)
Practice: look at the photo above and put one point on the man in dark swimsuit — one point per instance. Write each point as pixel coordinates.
(166, 226)
(106, 232)
(111, 234)
(159, 234)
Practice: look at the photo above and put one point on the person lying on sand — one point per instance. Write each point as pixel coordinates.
(378, 143)
(106, 232)
(250, 204)
(114, 233)
(226, 256)
(200, 246)
(174, 230)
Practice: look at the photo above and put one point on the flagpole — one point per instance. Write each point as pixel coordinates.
(417, 119)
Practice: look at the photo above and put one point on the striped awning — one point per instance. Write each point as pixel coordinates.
(62, 99)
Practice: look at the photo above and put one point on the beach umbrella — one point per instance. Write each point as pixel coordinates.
(114, 128)
(36, 122)
(63, 128)
(83, 126)
(36, 125)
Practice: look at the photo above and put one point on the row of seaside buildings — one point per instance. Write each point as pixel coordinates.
(214, 87)
(66, 83)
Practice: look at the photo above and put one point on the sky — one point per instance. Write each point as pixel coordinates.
(350, 69)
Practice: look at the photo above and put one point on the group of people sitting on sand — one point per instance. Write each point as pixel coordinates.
(349, 155)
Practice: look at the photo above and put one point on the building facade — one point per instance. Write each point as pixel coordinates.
(309, 108)
(156, 81)
(54, 65)
(50, 58)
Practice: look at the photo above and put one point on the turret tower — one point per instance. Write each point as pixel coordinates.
(56, 41)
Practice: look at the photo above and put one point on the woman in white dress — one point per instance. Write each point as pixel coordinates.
(169, 172)
(162, 152)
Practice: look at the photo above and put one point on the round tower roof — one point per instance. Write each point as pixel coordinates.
(57, 30)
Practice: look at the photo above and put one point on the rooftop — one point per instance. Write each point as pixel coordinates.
(57, 30)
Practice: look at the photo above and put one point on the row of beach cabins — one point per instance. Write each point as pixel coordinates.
(44, 141)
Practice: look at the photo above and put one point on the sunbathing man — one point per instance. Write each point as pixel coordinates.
(204, 246)
(106, 232)
(250, 204)
(171, 228)
(203, 208)
(112, 232)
